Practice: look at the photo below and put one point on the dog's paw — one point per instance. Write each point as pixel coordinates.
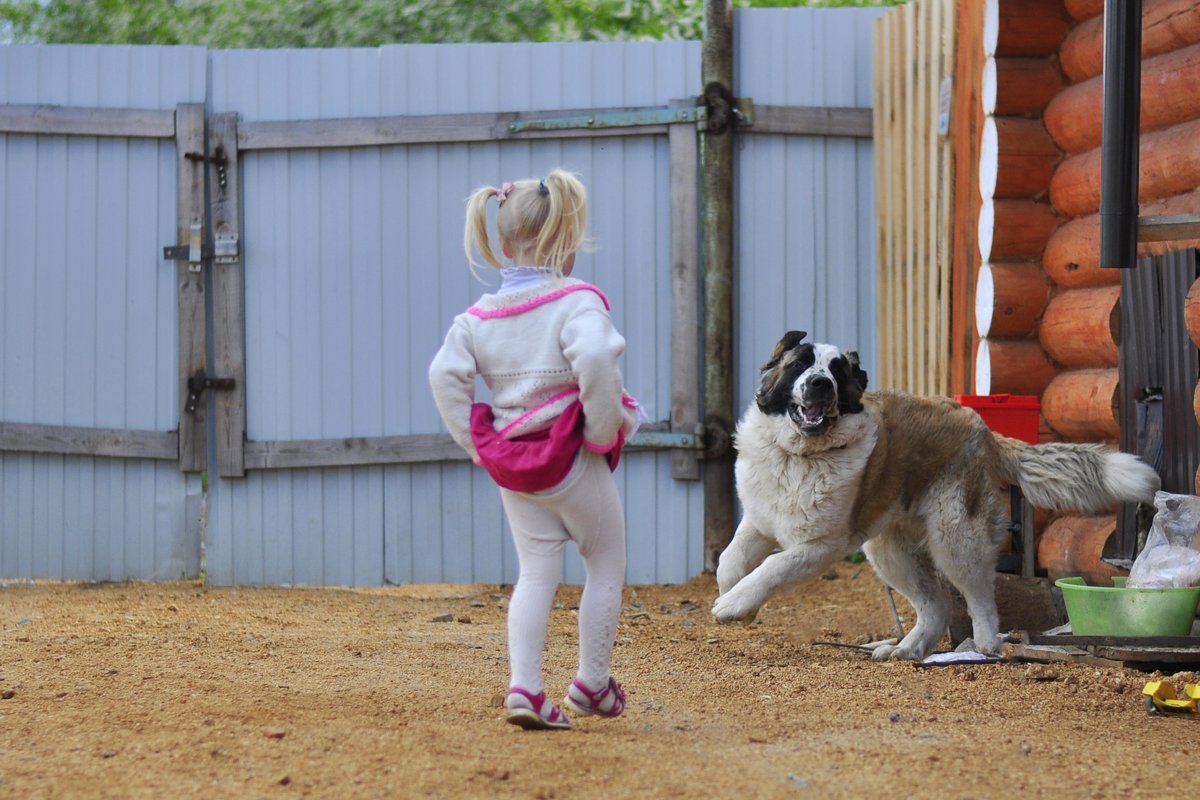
(994, 647)
(896, 652)
(735, 605)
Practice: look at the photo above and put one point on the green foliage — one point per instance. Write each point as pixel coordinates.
(358, 23)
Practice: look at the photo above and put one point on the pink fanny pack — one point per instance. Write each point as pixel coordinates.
(536, 461)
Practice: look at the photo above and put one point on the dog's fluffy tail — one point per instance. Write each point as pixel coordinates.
(1077, 477)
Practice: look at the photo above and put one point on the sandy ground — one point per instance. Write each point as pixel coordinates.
(178, 690)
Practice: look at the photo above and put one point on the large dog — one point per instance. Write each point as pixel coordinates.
(825, 467)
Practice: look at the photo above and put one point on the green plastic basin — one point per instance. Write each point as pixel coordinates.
(1121, 611)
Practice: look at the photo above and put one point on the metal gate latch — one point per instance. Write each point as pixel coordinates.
(198, 383)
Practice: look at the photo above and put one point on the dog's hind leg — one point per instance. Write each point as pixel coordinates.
(912, 574)
(793, 565)
(747, 550)
(970, 564)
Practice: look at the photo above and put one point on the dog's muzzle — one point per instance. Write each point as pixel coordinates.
(817, 407)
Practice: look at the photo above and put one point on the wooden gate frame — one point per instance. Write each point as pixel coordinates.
(208, 233)
(185, 125)
(680, 121)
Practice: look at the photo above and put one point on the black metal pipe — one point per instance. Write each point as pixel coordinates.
(1119, 142)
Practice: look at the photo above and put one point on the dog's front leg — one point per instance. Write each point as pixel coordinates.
(747, 550)
(789, 566)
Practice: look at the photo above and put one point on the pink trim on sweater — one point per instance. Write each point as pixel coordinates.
(603, 448)
(529, 305)
(556, 398)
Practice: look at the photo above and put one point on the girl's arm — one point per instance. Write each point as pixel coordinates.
(594, 348)
(452, 378)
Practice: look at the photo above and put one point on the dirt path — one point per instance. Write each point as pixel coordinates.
(163, 691)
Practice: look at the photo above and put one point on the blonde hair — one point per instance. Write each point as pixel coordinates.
(542, 222)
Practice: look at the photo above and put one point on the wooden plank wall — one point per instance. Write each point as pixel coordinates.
(914, 172)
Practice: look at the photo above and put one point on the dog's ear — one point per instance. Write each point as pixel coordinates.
(789, 340)
(769, 397)
(860, 375)
(852, 386)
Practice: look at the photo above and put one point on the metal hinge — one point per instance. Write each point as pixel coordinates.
(218, 159)
(198, 383)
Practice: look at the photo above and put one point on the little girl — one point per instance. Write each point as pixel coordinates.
(546, 348)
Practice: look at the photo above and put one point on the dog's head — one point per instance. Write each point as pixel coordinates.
(812, 384)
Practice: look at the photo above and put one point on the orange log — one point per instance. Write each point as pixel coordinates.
(1015, 229)
(1166, 25)
(1081, 405)
(1196, 405)
(1031, 27)
(1018, 86)
(1045, 432)
(1012, 366)
(1168, 96)
(1082, 327)
(1017, 158)
(1073, 547)
(1169, 163)
(1072, 257)
(1084, 9)
(1009, 298)
(1191, 315)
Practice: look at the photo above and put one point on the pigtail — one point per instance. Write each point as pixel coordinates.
(564, 229)
(475, 234)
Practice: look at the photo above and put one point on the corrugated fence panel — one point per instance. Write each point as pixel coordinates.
(88, 318)
(805, 204)
(354, 269)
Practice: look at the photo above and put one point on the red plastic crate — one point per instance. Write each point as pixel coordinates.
(1012, 415)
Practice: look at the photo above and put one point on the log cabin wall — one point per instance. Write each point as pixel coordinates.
(1047, 317)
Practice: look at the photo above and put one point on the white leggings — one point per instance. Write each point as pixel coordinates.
(586, 509)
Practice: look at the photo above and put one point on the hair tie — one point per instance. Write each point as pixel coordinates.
(502, 192)
(542, 186)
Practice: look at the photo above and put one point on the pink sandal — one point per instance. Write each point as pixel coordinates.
(533, 711)
(608, 702)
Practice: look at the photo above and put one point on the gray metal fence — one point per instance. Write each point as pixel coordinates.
(332, 267)
(90, 485)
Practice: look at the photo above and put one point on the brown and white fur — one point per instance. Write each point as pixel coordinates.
(825, 467)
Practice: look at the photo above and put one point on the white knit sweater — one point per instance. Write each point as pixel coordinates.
(535, 349)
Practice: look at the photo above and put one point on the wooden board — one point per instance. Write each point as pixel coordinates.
(67, 440)
(190, 210)
(229, 315)
(69, 121)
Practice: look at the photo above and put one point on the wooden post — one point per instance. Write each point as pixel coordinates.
(967, 110)
(229, 315)
(685, 291)
(717, 213)
(189, 139)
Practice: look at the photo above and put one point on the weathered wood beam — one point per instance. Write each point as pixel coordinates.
(71, 121)
(716, 181)
(78, 441)
(409, 449)
(811, 121)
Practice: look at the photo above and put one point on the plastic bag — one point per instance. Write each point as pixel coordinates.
(1171, 557)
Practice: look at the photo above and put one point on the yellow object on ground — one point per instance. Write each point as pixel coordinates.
(1161, 698)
